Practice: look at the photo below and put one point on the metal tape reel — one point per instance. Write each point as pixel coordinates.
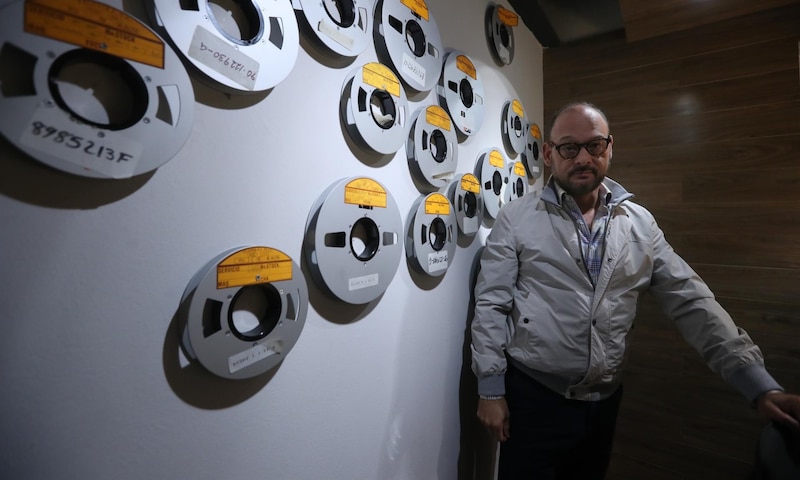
(374, 108)
(249, 49)
(499, 23)
(85, 111)
(431, 236)
(353, 244)
(432, 147)
(244, 311)
(515, 126)
(411, 38)
(464, 193)
(517, 185)
(532, 156)
(343, 26)
(493, 175)
(461, 93)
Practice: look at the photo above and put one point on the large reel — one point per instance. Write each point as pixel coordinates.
(431, 235)
(244, 311)
(464, 193)
(532, 156)
(250, 48)
(515, 126)
(353, 240)
(121, 106)
(342, 26)
(517, 185)
(374, 108)
(461, 93)
(411, 39)
(492, 173)
(432, 147)
(499, 28)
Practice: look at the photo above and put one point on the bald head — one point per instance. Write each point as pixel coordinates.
(583, 109)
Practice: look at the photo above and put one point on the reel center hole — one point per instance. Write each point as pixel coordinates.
(505, 36)
(437, 235)
(342, 12)
(99, 89)
(438, 146)
(364, 239)
(382, 109)
(517, 123)
(497, 182)
(239, 21)
(465, 92)
(254, 312)
(415, 38)
(470, 204)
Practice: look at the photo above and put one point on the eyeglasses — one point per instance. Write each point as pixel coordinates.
(571, 150)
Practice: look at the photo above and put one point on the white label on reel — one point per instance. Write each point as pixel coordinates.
(366, 281)
(336, 35)
(221, 57)
(414, 69)
(107, 152)
(248, 357)
(437, 261)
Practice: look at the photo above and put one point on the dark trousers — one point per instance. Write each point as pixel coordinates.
(555, 438)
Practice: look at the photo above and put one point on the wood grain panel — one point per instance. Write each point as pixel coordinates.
(646, 19)
(743, 185)
(660, 93)
(615, 55)
(756, 249)
(725, 220)
(632, 162)
(752, 122)
(760, 284)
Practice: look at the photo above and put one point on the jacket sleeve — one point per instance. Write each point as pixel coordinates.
(704, 323)
(494, 296)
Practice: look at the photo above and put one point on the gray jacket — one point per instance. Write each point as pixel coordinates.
(535, 305)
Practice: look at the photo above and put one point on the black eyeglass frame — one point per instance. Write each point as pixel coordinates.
(586, 145)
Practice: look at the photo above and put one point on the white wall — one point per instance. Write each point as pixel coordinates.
(93, 383)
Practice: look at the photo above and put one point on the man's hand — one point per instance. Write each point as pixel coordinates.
(494, 415)
(781, 407)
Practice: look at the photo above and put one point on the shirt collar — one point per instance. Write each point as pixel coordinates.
(603, 194)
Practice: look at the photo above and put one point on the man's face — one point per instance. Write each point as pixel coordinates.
(582, 174)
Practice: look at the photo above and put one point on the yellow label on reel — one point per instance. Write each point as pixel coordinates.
(438, 117)
(95, 26)
(417, 6)
(507, 16)
(519, 169)
(437, 204)
(464, 64)
(254, 265)
(516, 105)
(535, 131)
(496, 159)
(379, 76)
(470, 183)
(366, 192)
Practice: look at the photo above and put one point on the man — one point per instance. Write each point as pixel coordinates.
(556, 298)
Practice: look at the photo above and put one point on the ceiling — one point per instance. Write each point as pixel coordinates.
(564, 22)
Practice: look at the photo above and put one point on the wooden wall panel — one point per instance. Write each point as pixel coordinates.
(707, 136)
(647, 19)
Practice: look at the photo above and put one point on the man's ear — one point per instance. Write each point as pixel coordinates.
(547, 150)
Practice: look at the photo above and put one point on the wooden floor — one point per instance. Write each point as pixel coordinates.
(706, 125)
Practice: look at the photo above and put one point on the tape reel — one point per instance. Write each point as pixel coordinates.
(374, 108)
(531, 157)
(342, 26)
(461, 93)
(515, 126)
(244, 311)
(517, 185)
(412, 41)
(250, 48)
(493, 176)
(499, 27)
(464, 193)
(353, 240)
(431, 236)
(432, 147)
(120, 109)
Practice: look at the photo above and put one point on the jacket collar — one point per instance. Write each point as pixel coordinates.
(615, 193)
